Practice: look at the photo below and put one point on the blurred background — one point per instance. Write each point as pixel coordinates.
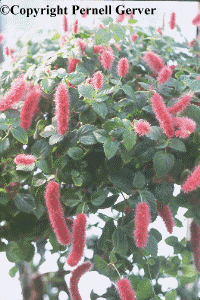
(19, 26)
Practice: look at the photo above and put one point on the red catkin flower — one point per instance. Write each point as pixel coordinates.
(191, 44)
(142, 221)
(55, 211)
(195, 243)
(172, 21)
(107, 59)
(98, 49)
(72, 62)
(198, 78)
(142, 127)
(196, 20)
(64, 37)
(16, 93)
(62, 101)
(75, 277)
(193, 181)
(181, 105)
(134, 37)
(75, 27)
(82, 45)
(164, 75)
(123, 67)
(120, 18)
(125, 289)
(185, 125)
(84, 15)
(30, 107)
(78, 240)
(23, 159)
(65, 24)
(166, 214)
(98, 80)
(154, 61)
(162, 115)
(172, 67)
(1, 37)
(159, 30)
(101, 26)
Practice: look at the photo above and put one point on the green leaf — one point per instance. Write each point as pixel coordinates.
(152, 246)
(100, 108)
(164, 192)
(20, 134)
(13, 117)
(101, 265)
(25, 202)
(44, 166)
(110, 148)
(100, 135)
(4, 198)
(13, 252)
(123, 180)
(139, 180)
(156, 133)
(99, 197)
(13, 271)
(171, 241)
(87, 91)
(193, 112)
(47, 85)
(61, 73)
(171, 295)
(4, 145)
(156, 234)
(177, 145)
(40, 149)
(86, 136)
(39, 179)
(144, 289)
(129, 91)
(120, 241)
(195, 86)
(106, 235)
(129, 139)
(102, 36)
(28, 251)
(76, 153)
(118, 31)
(163, 162)
(39, 210)
(150, 199)
(132, 21)
(76, 77)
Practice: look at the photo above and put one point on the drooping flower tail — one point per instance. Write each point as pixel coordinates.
(75, 27)
(123, 67)
(142, 221)
(78, 240)
(166, 214)
(172, 22)
(196, 20)
(97, 80)
(107, 59)
(75, 277)
(72, 62)
(193, 181)
(162, 115)
(65, 24)
(62, 101)
(181, 105)
(164, 75)
(55, 211)
(154, 61)
(30, 107)
(23, 159)
(184, 125)
(195, 244)
(125, 289)
(16, 93)
(134, 37)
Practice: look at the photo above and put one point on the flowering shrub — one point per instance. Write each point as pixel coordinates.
(88, 116)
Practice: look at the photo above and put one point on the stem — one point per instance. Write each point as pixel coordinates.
(116, 269)
(154, 294)
(5, 136)
(83, 208)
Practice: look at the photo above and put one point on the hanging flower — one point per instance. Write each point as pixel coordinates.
(98, 80)
(195, 244)
(75, 27)
(125, 289)
(154, 61)
(196, 20)
(166, 214)
(172, 22)
(193, 181)
(23, 159)
(107, 59)
(181, 105)
(123, 67)
(164, 75)
(134, 37)
(142, 221)
(65, 24)
(142, 127)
